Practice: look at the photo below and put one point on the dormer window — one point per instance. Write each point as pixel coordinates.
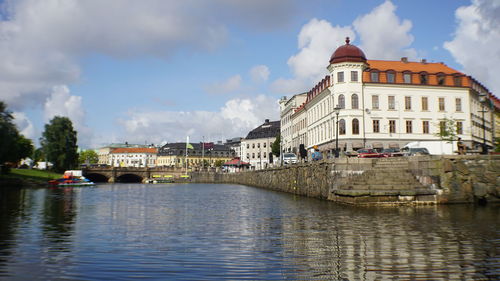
(374, 75)
(424, 78)
(407, 77)
(440, 78)
(457, 80)
(391, 76)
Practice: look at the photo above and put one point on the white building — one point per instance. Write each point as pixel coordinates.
(257, 146)
(287, 109)
(385, 104)
(133, 157)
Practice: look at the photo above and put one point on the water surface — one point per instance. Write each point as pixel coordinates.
(233, 232)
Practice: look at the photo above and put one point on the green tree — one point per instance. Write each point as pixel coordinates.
(59, 143)
(447, 129)
(13, 145)
(275, 148)
(88, 157)
(219, 163)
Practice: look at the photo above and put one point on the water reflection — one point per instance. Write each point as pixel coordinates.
(215, 232)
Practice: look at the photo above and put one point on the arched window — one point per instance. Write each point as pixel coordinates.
(355, 126)
(354, 101)
(391, 76)
(441, 78)
(341, 103)
(424, 78)
(374, 76)
(341, 127)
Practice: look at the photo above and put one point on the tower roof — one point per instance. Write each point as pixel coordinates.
(348, 53)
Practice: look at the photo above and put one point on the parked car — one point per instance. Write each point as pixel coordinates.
(415, 151)
(392, 152)
(289, 158)
(369, 153)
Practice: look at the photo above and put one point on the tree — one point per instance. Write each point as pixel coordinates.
(447, 129)
(59, 143)
(276, 147)
(13, 145)
(88, 157)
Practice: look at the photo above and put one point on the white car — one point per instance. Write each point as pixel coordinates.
(289, 158)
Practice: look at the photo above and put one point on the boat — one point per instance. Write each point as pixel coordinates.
(71, 178)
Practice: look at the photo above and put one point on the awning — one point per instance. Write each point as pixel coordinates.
(357, 145)
(378, 145)
(393, 145)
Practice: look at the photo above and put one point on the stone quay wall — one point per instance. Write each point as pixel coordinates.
(398, 180)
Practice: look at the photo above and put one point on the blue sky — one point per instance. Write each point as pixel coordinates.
(158, 70)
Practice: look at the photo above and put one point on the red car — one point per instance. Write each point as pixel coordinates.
(391, 152)
(369, 153)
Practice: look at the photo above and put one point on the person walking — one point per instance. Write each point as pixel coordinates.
(461, 147)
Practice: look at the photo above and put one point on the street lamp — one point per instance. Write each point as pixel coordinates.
(336, 110)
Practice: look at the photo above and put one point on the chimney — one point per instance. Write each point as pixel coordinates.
(424, 61)
(404, 59)
(267, 121)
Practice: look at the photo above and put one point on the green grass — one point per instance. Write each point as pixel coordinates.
(38, 175)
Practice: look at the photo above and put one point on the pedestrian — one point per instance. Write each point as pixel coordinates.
(461, 147)
(316, 156)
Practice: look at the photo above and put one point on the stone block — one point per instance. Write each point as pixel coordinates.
(447, 166)
(480, 189)
(462, 168)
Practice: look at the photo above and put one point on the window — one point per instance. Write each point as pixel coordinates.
(253, 145)
(376, 126)
(354, 76)
(341, 101)
(441, 104)
(391, 77)
(354, 101)
(460, 128)
(392, 102)
(407, 78)
(355, 126)
(248, 145)
(392, 126)
(424, 78)
(253, 155)
(341, 127)
(374, 76)
(340, 76)
(441, 79)
(407, 103)
(458, 104)
(264, 144)
(258, 145)
(442, 127)
(425, 104)
(409, 128)
(457, 81)
(374, 102)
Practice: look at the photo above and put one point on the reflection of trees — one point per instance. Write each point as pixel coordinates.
(59, 214)
(10, 212)
(405, 243)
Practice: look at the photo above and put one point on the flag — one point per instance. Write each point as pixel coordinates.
(189, 146)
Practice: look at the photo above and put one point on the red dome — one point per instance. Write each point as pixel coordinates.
(349, 53)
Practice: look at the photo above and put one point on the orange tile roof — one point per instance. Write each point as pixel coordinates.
(134, 150)
(400, 66)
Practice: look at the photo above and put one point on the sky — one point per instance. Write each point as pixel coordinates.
(156, 71)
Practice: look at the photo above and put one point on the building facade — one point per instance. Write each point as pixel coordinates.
(381, 104)
(257, 146)
(287, 110)
(133, 157)
(201, 155)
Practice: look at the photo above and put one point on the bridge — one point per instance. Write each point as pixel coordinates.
(133, 174)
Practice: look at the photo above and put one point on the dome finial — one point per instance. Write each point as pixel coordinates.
(347, 40)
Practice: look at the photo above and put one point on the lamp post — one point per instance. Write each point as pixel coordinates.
(337, 111)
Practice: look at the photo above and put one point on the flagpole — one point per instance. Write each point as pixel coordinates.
(187, 142)
(203, 153)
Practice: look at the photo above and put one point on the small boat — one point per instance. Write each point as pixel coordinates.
(72, 178)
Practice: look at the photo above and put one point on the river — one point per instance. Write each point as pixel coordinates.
(234, 232)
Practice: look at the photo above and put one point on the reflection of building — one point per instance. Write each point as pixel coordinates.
(388, 104)
(256, 147)
(133, 157)
(174, 155)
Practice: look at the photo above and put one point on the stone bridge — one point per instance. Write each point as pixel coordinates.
(132, 174)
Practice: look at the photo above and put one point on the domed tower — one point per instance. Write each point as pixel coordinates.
(346, 70)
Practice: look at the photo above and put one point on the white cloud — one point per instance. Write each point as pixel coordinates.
(62, 103)
(383, 35)
(235, 118)
(260, 73)
(231, 84)
(24, 124)
(476, 40)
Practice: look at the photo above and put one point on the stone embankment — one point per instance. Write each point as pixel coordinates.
(401, 180)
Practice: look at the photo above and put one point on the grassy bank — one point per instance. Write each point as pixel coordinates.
(27, 177)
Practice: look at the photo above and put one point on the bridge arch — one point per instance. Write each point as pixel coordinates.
(129, 178)
(97, 177)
